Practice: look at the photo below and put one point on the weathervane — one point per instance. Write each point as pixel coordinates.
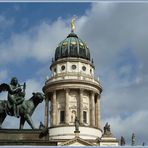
(72, 25)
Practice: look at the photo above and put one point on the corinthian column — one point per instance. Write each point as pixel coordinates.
(81, 106)
(67, 107)
(54, 109)
(46, 111)
(99, 114)
(92, 114)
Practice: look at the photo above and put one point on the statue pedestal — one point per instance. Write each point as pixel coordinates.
(108, 140)
(23, 137)
(76, 133)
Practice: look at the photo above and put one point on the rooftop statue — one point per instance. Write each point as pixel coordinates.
(133, 139)
(122, 141)
(16, 105)
(107, 130)
(41, 126)
(76, 124)
(72, 25)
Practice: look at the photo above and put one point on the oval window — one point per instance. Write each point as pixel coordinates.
(63, 67)
(73, 67)
(84, 68)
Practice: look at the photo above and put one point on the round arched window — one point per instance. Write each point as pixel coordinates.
(84, 68)
(63, 67)
(73, 67)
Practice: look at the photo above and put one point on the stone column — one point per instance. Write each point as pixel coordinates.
(67, 106)
(99, 113)
(96, 110)
(46, 111)
(92, 114)
(81, 106)
(54, 109)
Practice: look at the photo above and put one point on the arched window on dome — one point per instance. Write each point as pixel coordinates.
(82, 51)
(73, 49)
(64, 48)
(58, 53)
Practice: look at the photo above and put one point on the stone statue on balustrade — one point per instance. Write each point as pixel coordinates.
(77, 124)
(122, 141)
(107, 131)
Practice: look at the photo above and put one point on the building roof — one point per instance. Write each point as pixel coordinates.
(72, 46)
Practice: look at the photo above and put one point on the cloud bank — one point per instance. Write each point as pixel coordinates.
(116, 34)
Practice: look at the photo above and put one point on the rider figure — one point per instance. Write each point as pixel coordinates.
(15, 96)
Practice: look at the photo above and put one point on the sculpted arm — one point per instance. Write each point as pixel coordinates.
(16, 90)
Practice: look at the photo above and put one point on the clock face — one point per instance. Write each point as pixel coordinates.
(73, 67)
(84, 68)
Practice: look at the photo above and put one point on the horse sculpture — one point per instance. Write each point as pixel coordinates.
(26, 109)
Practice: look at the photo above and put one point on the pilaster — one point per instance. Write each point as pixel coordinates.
(54, 109)
(46, 111)
(97, 115)
(67, 106)
(81, 106)
(92, 114)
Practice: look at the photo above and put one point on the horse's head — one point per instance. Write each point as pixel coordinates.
(38, 97)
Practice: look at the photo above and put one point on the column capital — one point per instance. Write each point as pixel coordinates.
(92, 92)
(98, 96)
(81, 90)
(67, 90)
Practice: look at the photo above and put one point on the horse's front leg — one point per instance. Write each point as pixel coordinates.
(29, 120)
(22, 121)
(2, 118)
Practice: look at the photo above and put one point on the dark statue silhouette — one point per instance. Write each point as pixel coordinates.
(16, 105)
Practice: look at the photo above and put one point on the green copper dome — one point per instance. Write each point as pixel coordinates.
(72, 46)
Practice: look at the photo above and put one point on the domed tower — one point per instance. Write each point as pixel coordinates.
(72, 92)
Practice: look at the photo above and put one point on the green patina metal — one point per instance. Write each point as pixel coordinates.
(16, 105)
(72, 46)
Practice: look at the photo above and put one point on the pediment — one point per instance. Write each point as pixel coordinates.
(77, 142)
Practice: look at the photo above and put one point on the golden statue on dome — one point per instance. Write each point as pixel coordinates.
(72, 25)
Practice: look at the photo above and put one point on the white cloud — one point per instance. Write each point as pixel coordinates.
(135, 123)
(114, 28)
(38, 43)
(3, 75)
(108, 29)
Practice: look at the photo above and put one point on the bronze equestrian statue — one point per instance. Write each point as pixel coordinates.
(16, 105)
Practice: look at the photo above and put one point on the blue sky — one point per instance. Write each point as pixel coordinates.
(116, 34)
(23, 16)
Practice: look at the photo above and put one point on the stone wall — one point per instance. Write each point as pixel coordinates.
(23, 137)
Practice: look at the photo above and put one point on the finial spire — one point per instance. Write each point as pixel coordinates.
(72, 25)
